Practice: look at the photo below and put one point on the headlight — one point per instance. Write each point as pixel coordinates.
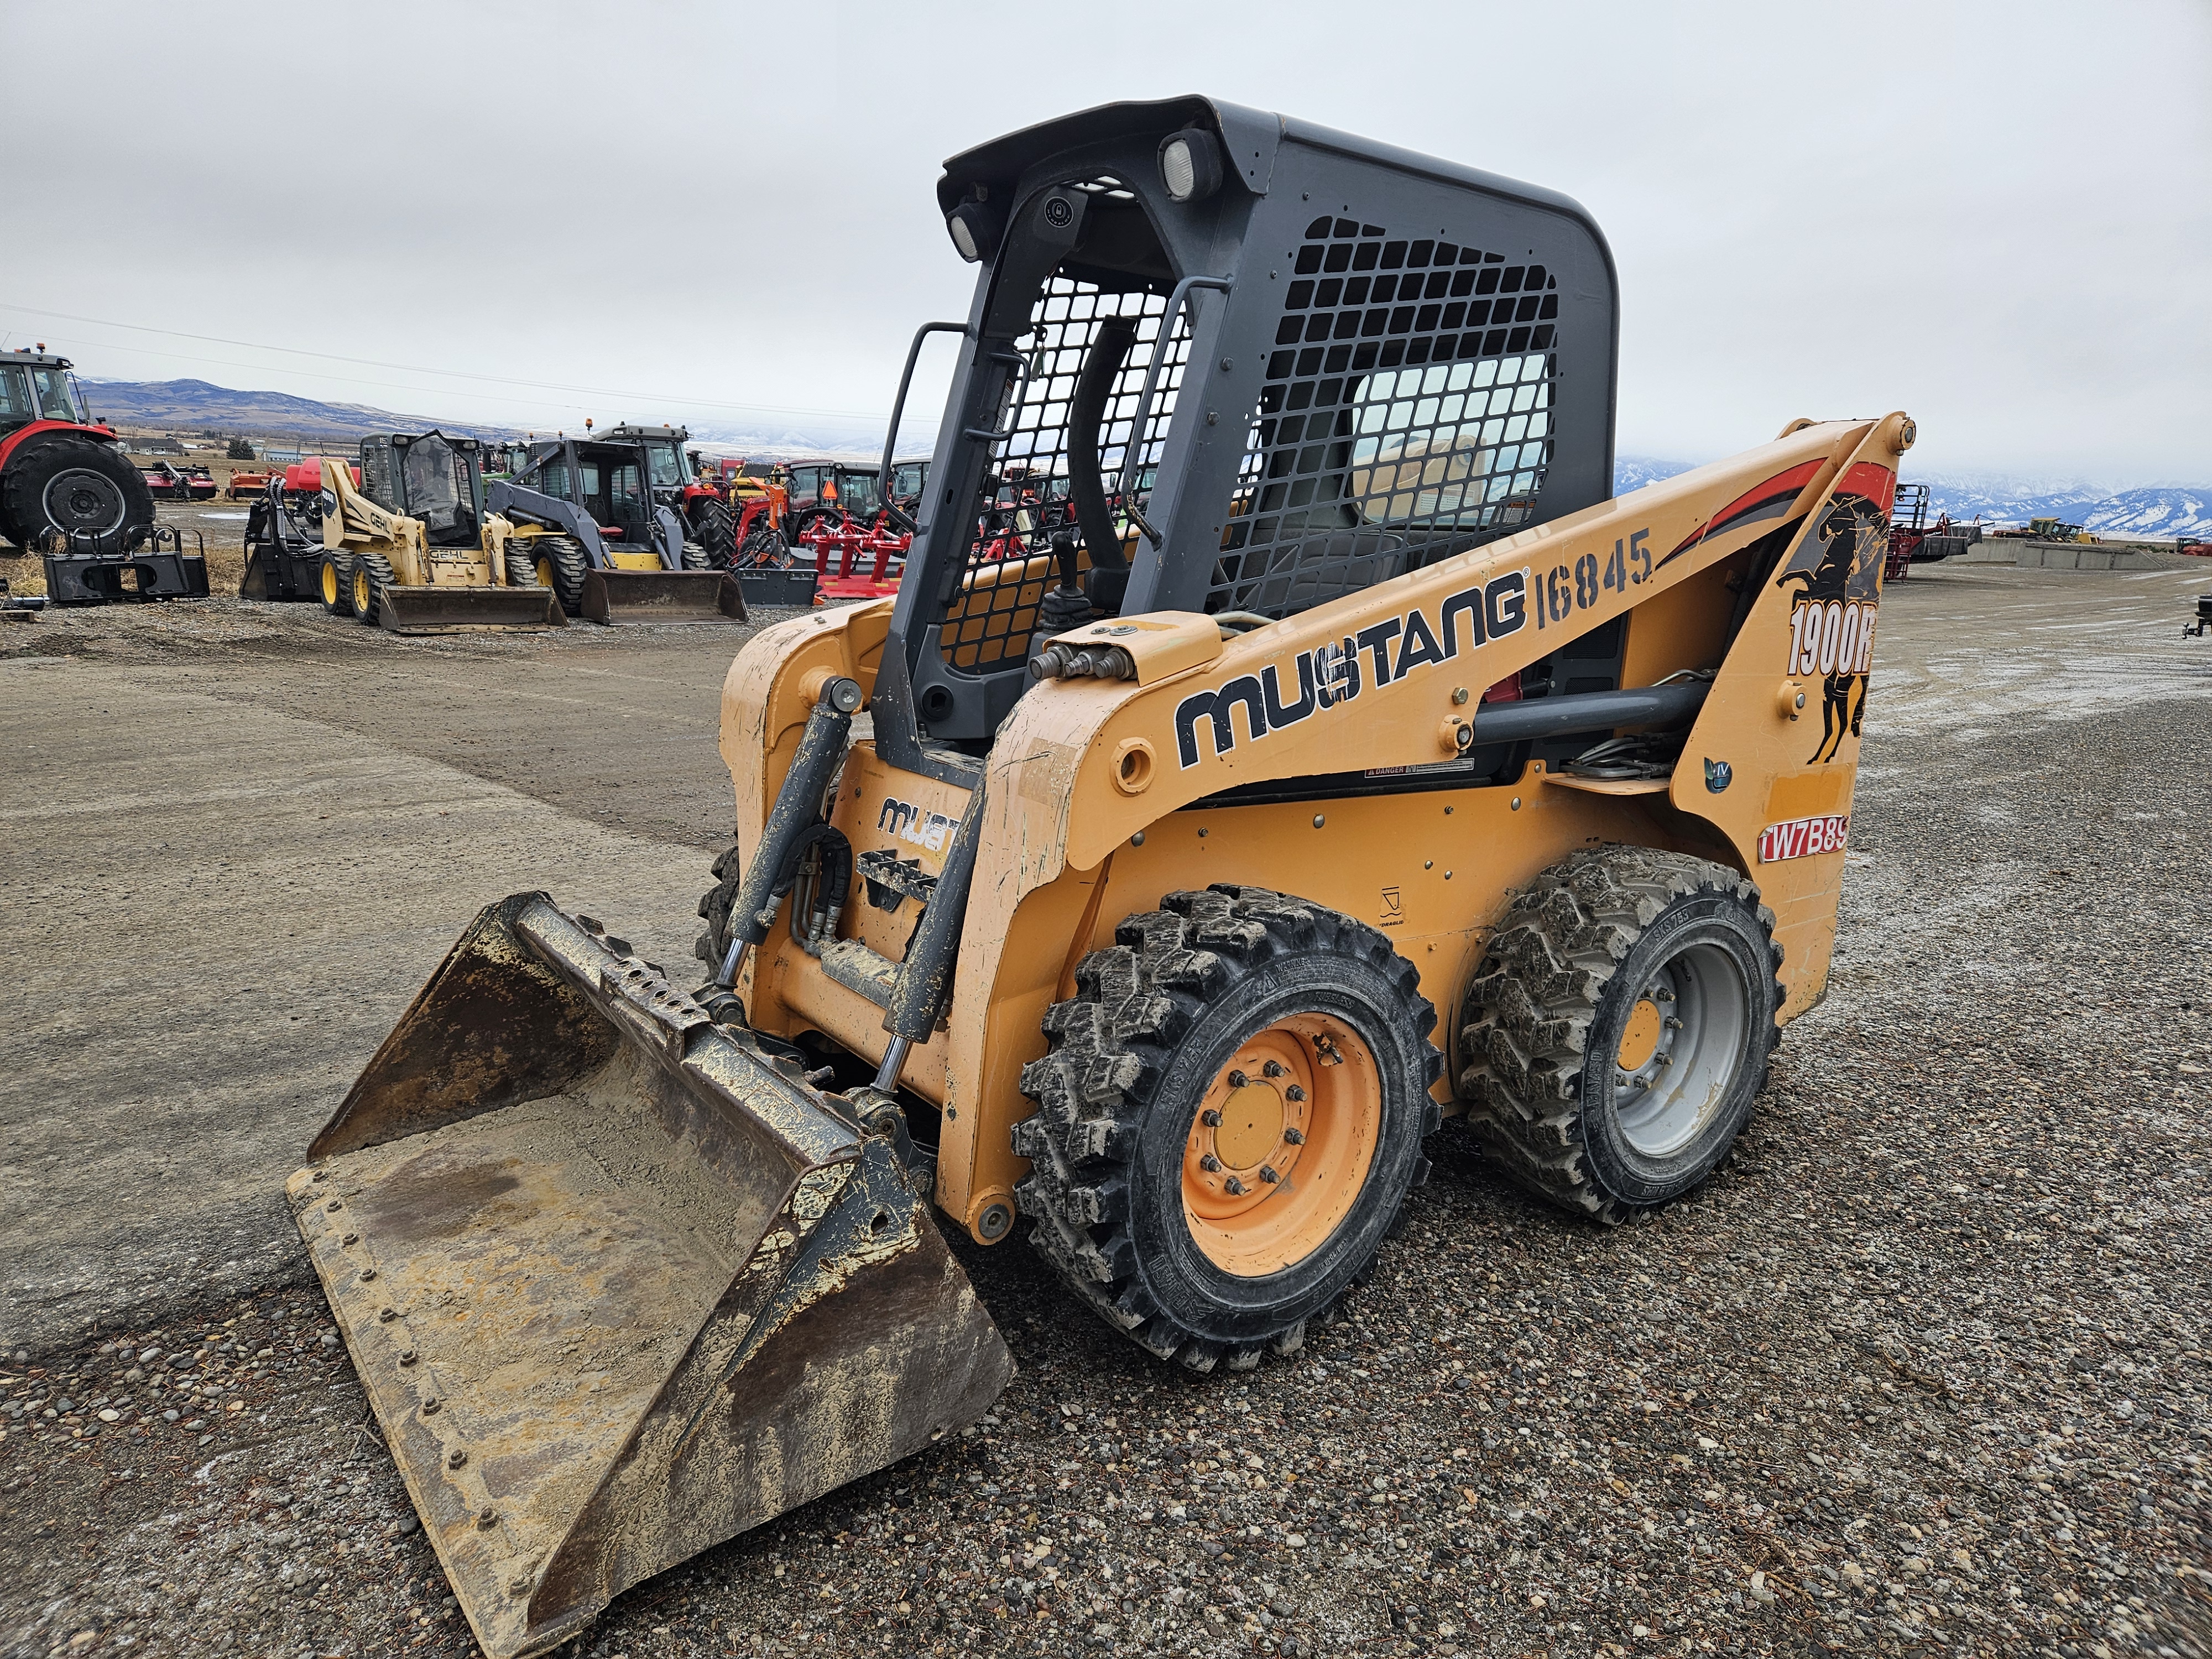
(975, 230)
(1190, 165)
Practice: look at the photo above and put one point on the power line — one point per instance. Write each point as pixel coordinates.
(417, 369)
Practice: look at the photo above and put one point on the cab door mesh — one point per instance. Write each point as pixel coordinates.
(1407, 414)
(1008, 565)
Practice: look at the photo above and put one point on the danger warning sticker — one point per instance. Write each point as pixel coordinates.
(1804, 838)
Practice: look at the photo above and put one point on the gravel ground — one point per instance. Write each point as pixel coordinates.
(1923, 1371)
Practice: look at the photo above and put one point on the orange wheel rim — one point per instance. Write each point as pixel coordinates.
(1639, 1037)
(1280, 1145)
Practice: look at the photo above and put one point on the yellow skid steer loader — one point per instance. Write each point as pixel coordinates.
(411, 548)
(1133, 916)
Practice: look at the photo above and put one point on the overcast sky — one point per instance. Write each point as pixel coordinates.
(1998, 218)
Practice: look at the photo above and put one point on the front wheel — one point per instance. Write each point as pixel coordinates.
(558, 562)
(372, 577)
(1229, 1117)
(1620, 1028)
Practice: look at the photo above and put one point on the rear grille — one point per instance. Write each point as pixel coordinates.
(987, 624)
(1406, 414)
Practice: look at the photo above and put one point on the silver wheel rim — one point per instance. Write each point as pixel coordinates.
(68, 494)
(1704, 1006)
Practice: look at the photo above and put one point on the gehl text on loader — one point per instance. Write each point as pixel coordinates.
(1352, 694)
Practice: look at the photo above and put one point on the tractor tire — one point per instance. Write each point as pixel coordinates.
(372, 574)
(1229, 1117)
(715, 531)
(559, 564)
(695, 557)
(74, 486)
(334, 580)
(521, 567)
(1620, 1028)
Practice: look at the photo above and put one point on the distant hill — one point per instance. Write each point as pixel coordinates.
(200, 406)
(197, 405)
(2156, 511)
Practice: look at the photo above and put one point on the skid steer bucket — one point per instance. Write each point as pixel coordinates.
(619, 1284)
(614, 596)
(437, 610)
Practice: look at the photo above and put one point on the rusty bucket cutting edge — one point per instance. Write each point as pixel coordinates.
(619, 1285)
(618, 596)
(436, 610)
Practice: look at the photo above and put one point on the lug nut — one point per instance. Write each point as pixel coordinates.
(1294, 1092)
(1272, 1068)
(1238, 1081)
(407, 1357)
(385, 1316)
(1210, 1118)
(351, 1238)
(1294, 1137)
(430, 1407)
(1267, 1174)
(455, 1458)
(1209, 1164)
(1673, 1023)
(1233, 1187)
(487, 1519)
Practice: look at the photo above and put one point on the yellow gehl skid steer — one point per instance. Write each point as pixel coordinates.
(412, 550)
(1134, 912)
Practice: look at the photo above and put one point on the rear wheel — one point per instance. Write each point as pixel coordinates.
(372, 575)
(558, 563)
(86, 491)
(1620, 1028)
(1228, 1119)
(335, 581)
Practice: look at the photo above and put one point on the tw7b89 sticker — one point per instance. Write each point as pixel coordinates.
(1804, 838)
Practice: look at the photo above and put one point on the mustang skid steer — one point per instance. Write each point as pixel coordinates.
(1135, 914)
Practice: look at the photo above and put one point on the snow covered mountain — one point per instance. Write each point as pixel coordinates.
(2155, 511)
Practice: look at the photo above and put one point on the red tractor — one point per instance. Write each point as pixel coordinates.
(61, 476)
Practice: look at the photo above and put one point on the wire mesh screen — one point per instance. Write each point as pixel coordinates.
(990, 620)
(1406, 414)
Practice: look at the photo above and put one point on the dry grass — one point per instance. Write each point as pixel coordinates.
(223, 537)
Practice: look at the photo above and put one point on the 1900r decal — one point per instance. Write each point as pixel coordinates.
(1330, 675)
